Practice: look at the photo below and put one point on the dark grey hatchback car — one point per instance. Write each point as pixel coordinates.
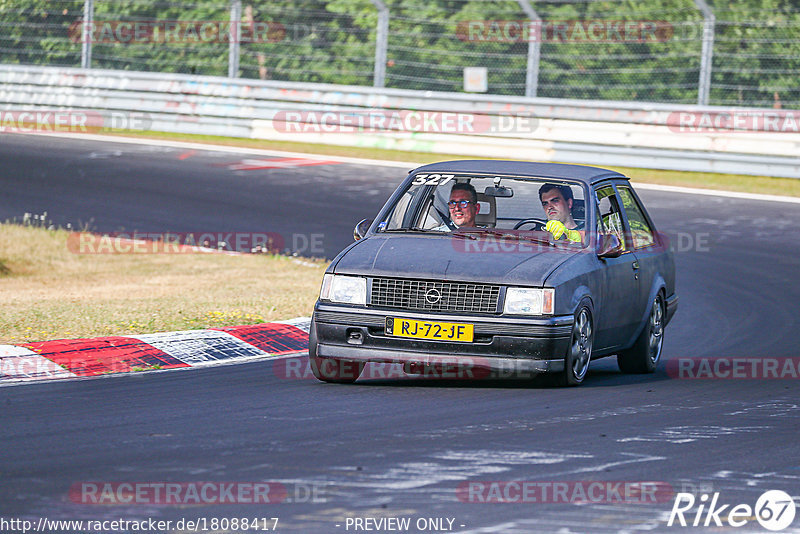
(557, 265)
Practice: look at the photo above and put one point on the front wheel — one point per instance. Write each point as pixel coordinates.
(643, 356)
(576, 363)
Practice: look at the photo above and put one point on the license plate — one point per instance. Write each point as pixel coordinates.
(398, 327)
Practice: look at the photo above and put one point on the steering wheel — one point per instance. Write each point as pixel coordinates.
(539, 224)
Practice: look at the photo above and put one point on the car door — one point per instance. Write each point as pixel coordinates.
(618, 310)
(646, 244)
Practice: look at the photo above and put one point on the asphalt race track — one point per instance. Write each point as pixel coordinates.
(114, 187)
(403, 448)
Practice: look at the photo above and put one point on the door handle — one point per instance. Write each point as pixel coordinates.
(635, 265)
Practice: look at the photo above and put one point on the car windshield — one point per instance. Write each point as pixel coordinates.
(463, 205)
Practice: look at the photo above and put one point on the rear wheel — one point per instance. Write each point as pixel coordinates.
(335, 370)
(576, 363)
(643, 356)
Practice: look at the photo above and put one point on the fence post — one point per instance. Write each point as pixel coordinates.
(236, 35)
(86, 34)
(381, 43)
(534, 48)
(707, 53)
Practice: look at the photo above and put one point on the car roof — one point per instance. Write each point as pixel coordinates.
(583, 173)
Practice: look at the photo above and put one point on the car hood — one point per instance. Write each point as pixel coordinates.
(438, 257)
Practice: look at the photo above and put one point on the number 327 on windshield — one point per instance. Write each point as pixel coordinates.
(432, 179)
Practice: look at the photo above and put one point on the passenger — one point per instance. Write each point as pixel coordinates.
(463, 206)
(557, 204)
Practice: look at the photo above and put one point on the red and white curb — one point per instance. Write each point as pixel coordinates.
(76, 358)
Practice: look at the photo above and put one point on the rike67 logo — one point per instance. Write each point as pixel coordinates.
(774, 510)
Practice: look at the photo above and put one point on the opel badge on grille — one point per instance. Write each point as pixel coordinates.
(433, 296)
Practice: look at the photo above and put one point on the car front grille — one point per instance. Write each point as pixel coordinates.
(434, 296)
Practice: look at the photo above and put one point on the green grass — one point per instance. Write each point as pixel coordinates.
(706, 180)
(48, 292)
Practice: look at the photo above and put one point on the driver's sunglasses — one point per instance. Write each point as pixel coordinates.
(460, 203)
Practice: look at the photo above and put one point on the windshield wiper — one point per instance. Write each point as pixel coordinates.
(519, 237)
(408, 230)
(445, 232)
(430, 231)
(463, 235)
(497, 233)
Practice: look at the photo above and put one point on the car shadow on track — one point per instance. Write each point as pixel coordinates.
(604, 377)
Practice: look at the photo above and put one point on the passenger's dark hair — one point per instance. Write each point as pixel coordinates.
(566, 191)
(462, 186)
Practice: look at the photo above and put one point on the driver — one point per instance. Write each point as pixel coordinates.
(463, 206)
(557, 205)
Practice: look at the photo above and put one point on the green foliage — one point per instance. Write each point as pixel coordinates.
(757, 63)
(37, 32)
(154, 53)
(756, 55)
(321, 42)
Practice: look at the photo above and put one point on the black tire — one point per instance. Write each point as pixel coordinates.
(644, 355)
(335, 370)
(579, 353)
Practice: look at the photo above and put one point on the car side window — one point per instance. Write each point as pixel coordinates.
(641, 233)
(430, 219)
(609, 220)
(399, 213)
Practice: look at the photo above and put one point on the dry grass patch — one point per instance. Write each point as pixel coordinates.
(48, 292)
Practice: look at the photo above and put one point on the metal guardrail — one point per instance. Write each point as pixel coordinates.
(603, 133)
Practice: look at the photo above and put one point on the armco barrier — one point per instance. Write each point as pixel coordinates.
(604, 133)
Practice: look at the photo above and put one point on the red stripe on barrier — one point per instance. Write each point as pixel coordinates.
(274, 338)
(104, 355)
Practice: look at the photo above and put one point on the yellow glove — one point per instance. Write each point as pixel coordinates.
(558, 229)
(574, 236)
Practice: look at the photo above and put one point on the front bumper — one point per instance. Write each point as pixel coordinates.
(501, 343)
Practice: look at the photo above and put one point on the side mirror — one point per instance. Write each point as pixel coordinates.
(361, 229)
(610, 247)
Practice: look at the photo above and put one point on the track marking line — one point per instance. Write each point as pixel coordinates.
(279, 163)
(382, 163)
